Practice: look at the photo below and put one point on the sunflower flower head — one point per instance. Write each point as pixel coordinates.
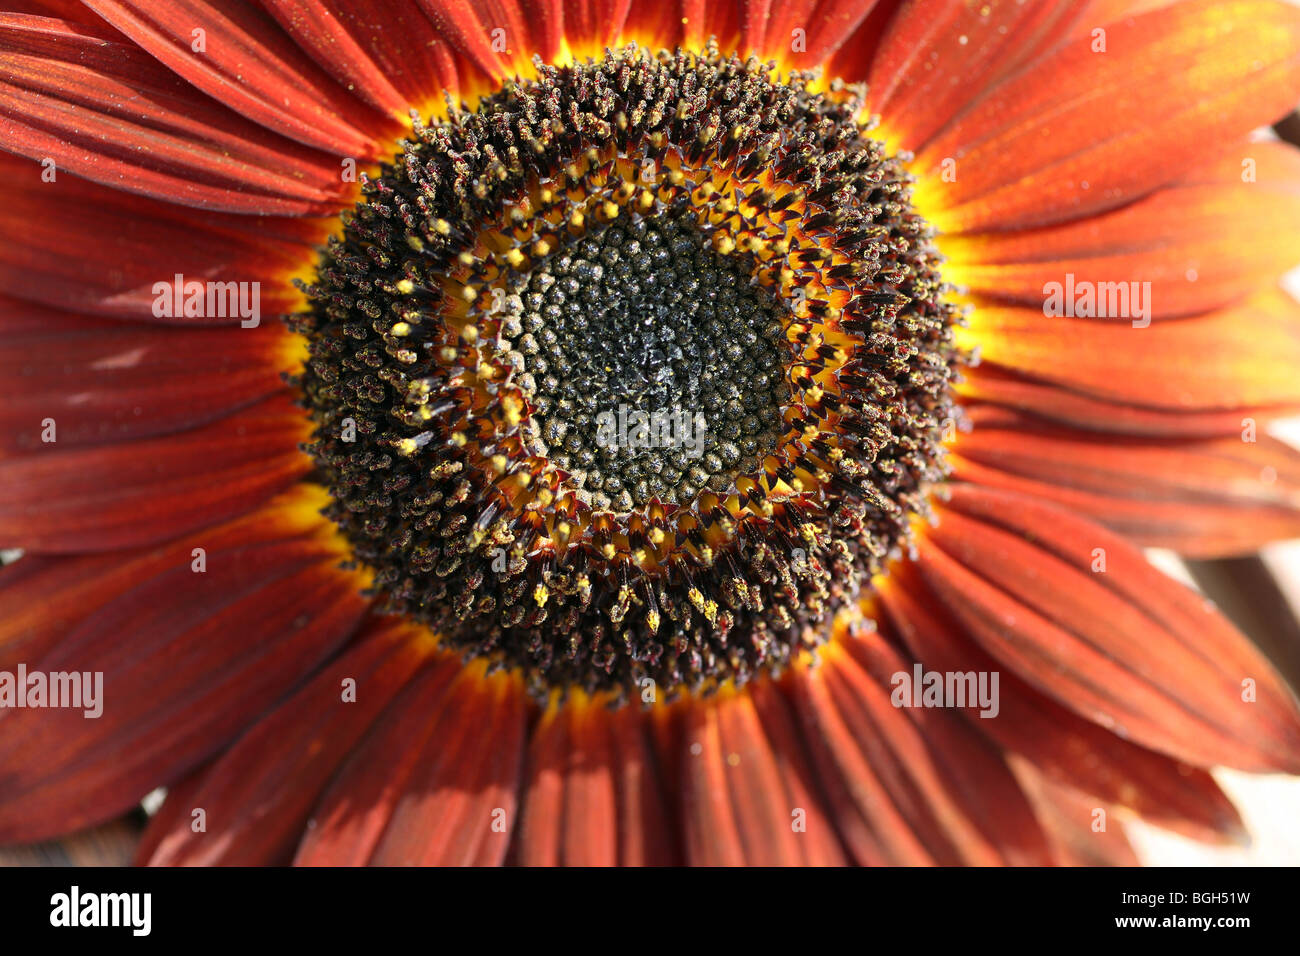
(812, 375)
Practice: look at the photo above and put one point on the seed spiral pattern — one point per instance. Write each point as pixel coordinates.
(643, 317)
(652, 230)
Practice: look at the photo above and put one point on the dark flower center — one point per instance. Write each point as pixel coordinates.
(636, 373)
(652, 364)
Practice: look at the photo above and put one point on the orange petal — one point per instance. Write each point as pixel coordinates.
(1083, 831)
(59, 9)
(971, 44)
(258, 795)
(1170, 88)
(1097, 12)
(1125, 647)
(1201, 363)
(1213, 238)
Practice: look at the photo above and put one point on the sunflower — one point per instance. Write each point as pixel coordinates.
(606, 432)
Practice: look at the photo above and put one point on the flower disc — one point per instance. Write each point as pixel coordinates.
(636, 371)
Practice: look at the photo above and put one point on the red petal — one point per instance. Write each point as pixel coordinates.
(470, 27)
(569, 812)
(1051, 403)
(591, 25)
(258, 795)
(592, 796)
(533, 27)
(436, 782)
(350, 818)
(780, 22)
(646, 833)
(594, 23)
(188, 661)
(134, 493)
(105, 110)
(177, 810)
(826, 25)
(754, 17)
(43, 598)
(1127, 647)
(908, 785)
(59, 9)
(685, 23)
(1201, 244)
(1204, 363)
(747, 787)
(1056, 741)
(1172, 86)
(126, 246)
(699, 20)
(386, 52)
(106, 381)
(467, 783)
(1202, 497)
(249, 65)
